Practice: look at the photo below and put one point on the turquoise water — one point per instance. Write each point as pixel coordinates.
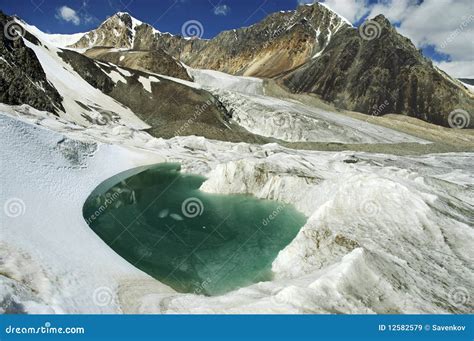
(159, 221)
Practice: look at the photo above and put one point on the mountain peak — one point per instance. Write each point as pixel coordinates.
(125, 18)
(382, 20)
(118, 30)
(326, 7)
(122, 14)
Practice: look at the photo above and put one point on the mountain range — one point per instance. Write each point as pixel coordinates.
(309, 50)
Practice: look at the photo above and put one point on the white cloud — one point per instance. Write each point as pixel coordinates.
(352, 10)
(395, 11)
(305, 2)
(76, 16)
(460, 69)
(451, 34)
(221, 10)
(448, 26)
(68, 14)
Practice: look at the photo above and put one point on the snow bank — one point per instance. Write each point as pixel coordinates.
(408, 248)
(51, 261)
(57, 40)
(221, 80)
(385, 234)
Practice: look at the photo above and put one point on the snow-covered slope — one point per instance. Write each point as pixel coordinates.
(288, 120)
(295, 122)
(385, 234)
(344, 19)
(64, 279)
(57, 40)
(224, 81)
(79, 97)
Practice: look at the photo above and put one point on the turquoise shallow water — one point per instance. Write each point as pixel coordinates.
(159, 221)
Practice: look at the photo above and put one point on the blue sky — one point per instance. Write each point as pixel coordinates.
(447, 41)
(165, 15)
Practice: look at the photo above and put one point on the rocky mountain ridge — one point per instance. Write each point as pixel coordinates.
(155, 61)
(309, 50)
(376, 76)
(22, 79)
(281, 42)
(88, 92)
(314, 50)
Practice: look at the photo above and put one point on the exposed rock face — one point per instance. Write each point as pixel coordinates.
(125, 32)
(311, 49)
(116, 31)
(147, 38)
(22, 79)
(156, 61)
(279, 43)
(170, 108)
(382, 75)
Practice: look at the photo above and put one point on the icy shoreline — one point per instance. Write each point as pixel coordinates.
(386, 234)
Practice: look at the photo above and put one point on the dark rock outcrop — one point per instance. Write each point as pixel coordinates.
(22, 79)
(386, 74)
(155, 61)
(280, 42)
(170, 108)
(116, 31)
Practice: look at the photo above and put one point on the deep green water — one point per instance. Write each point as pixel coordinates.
(159, 221)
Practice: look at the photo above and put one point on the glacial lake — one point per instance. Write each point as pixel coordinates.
(158, 220)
